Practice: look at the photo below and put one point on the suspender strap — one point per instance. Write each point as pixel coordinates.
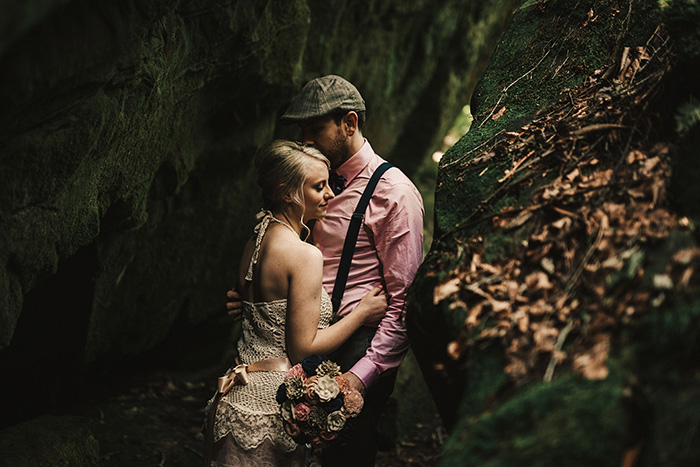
(351, 237)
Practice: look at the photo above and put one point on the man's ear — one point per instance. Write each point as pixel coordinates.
(350, 123)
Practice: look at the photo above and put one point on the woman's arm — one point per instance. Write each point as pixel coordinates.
(304, 306)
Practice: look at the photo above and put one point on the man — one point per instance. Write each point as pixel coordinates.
(330, 112)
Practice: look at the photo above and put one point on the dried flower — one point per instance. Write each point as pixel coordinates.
(286, 410)
(353, 403)
(295, 387)
(334, 404)
(296, 370)
(318, 417)
(310, 389)
(326, 388)
(343, 383)
(328, 368)
(317, 408)
(301, 411)
(311, 363)
(335, 421)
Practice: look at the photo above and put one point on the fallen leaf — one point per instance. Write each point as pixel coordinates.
(687, 256)
(446, 289)
(592, 364)
(499, 114)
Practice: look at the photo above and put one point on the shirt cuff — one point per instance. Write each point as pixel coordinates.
(366, 371)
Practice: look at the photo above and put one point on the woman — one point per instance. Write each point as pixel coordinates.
(286, 311)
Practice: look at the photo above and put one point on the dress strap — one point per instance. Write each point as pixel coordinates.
(264, 217)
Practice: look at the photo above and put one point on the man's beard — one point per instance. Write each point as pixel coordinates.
(339, 151)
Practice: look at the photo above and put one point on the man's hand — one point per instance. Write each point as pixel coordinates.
(234, 305)
(355, 383)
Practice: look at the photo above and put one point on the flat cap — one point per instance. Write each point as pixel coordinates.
(322, 96)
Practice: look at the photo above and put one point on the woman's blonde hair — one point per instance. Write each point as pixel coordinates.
(282, 169)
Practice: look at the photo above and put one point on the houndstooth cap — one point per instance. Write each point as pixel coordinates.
(321, 96)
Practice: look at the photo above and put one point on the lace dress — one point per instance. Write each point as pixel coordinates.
(248, 427)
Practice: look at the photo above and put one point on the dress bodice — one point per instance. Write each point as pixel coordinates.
(263, 328)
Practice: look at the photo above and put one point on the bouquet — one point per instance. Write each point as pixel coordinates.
(317, 402)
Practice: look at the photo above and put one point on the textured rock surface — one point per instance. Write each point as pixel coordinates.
(49, 441)
(646, 409)
(126, 132)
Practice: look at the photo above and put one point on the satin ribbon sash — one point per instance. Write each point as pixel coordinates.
(238, 375)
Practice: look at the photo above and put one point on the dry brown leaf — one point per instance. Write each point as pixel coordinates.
(444, 290)
(473, 316)
(499, 114)
(548, 265)
(538, 308)
(545, 338)
(573, 174)
(516, 369)
(538, 280)
(455, 349)
(685, 277)
(592, 364)
(686, 256)
(498, 306)
(562, 224)
(523, 321)
(521, 219)
(663, 282)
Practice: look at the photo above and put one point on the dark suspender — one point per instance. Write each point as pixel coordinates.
(351, 237)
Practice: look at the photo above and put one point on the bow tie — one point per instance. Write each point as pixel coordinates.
(337, 183)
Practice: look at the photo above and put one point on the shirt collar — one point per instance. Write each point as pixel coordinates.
(353, 166)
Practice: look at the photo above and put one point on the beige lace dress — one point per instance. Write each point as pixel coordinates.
(248, 428)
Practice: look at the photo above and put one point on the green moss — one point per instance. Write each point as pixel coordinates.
(547, 49)
(667, 343)
(568, 422)
(682, 18)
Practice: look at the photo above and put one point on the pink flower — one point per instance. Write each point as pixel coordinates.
(296, 370)
(311, 388)
(343, 383)
(353, 403)
(301, 411)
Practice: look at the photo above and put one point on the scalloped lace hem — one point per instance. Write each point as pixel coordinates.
(250, 430)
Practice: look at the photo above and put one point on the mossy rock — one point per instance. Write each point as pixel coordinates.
(49, 442)
(550, 48)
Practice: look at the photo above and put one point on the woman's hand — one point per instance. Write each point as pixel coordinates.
(372, 307)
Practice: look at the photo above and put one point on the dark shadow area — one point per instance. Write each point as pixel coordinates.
(42, 368)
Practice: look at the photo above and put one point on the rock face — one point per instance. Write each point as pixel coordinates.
(49, 441)
(126, 134)
(555, 315)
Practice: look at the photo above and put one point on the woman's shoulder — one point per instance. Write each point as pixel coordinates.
(283, 243)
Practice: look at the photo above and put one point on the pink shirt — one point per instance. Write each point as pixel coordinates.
(388, 252)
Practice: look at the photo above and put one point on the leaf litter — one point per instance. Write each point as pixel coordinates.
(599, 202)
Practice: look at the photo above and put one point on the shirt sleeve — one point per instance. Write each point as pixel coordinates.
(396, 222)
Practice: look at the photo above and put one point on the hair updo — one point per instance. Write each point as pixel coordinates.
(282, 170)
